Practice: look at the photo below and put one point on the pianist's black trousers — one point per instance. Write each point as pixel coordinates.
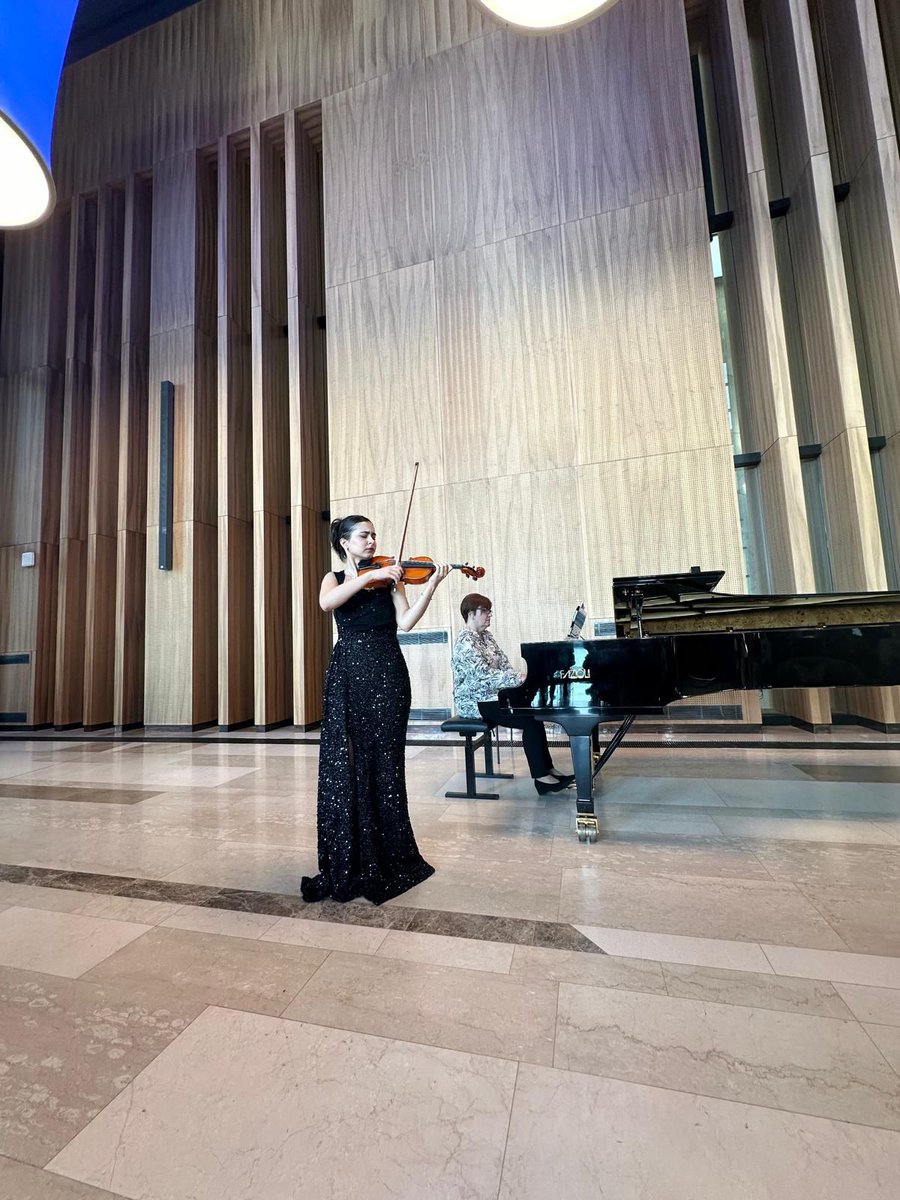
(534, 742)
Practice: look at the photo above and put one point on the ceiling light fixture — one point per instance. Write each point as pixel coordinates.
(544, 16)
(34, 35)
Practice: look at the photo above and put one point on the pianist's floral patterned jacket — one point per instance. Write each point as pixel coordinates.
(480, 670)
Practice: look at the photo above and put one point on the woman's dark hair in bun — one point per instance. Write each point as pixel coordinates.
(343, 528)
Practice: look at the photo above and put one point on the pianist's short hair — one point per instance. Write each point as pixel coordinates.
(471, 602)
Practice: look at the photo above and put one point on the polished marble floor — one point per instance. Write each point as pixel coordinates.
(705, 1005)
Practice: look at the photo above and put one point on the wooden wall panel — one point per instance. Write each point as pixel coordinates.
(503, 359)
(271, 459)
(889, 26)
(644, 343)
(73, 533)
(213, 68)
(100, 608)
(180, 644)
(384, 406)
(235, 504)
(308, 419)
(503, 524)
(378, 189)
(451, 23)
(488, 112)
(15, 688)
(623, 109)
(652, 514)
(131, 535)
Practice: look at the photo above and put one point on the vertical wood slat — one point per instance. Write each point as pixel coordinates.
(128, 701)
(308, 418)
(32, 365)
(824, 317)
(235, 501)
(824, 309)
(756, 328)
(69, 682)
(99, 685)
(271, 576)
(180, 644)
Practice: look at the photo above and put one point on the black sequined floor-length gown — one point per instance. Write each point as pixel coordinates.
(366, 842)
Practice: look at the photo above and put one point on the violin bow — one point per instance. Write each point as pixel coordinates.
(408, 511)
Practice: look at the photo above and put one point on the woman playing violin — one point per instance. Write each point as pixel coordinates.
(366, 843)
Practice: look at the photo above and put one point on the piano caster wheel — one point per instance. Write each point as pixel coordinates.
(587, 828)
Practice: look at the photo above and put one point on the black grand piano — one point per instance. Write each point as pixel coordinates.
(675, 638)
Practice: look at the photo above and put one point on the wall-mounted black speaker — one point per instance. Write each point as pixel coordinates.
(166, 472)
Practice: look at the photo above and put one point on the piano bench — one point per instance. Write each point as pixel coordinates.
(477, 733)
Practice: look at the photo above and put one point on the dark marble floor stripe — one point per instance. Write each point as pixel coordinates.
(89, 794)
(554, 935)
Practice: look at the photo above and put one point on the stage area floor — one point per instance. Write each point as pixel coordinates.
(704, 1005)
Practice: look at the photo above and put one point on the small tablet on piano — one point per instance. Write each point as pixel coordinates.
(577, 622)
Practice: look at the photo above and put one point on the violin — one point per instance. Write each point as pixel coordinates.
(418, 569)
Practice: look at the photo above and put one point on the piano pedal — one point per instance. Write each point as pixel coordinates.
(587, 828)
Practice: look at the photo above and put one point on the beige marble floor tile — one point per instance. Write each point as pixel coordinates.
(867, 919)
(656, 823)
(813, 997)
(126, 908)
(447, 951)
(823, 865)
(18, 1181)
(650, 789)
(234, 972)
(807, 796)
(27, 895)
(736, 910)
(816, 1065)
(715, 857)
(219, 920)
(258, 868)
(887, 1039)
(538, 964)
(880, 1005)
(444, 1006)
(61, 943)
(68, 1047)
(802, 829)
(579, 1136)
(871, 970)
(252, 1108)
(327, 935)
(700, 952)
(130, 774)
(102, 853)
(498, 890)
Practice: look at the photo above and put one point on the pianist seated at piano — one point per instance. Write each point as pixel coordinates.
(480, 670)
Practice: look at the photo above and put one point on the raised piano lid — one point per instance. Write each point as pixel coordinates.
(685, 602)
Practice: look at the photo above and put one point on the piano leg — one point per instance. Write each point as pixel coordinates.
(582, 759)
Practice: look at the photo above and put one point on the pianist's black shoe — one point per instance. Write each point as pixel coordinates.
(544, 789)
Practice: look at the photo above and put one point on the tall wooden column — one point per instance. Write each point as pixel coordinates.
(756, 327)
(271, 496)
(824, 312)
(180, 669)
(99, 639)
(69, 701)
(308, 419)
(32, 357)
(131, 555)
(235, 485)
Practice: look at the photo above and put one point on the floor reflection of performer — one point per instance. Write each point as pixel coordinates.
(480, 670)
(366, 843)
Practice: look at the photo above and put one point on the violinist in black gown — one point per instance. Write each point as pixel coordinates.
(366, 844)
